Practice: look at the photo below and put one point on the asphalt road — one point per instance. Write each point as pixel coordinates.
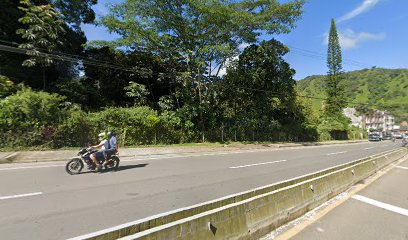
(41, 201)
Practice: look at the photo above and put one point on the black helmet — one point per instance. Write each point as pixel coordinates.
(111, 133)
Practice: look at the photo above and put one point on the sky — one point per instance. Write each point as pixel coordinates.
(372, 33)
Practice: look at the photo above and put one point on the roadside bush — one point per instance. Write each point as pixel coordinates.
(133, 126)
(77, 130)
(333, 127)
(29, 118)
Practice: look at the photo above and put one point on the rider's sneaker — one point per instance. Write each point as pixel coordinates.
(98, 168)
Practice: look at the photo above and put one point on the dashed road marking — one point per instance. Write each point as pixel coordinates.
(406, 168)
(17, 168)
(382, 205)
(257, 164)
(335, 153)
(20, 195)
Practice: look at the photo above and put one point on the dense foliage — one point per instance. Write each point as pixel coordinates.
(159, 82)
(378, 88)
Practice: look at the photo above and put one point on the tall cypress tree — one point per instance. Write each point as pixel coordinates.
(335, 100)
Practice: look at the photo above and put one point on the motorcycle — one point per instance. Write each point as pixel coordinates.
(76, 164)
(404, 142)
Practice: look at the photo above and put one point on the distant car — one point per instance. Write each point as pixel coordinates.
(387, 137)
(374, 137)
(398, 136)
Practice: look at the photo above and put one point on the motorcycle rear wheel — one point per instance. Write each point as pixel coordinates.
(113, 163)
(74, 166)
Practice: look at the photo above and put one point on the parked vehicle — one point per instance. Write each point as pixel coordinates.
(374, 137)
(76, 164)
(387, 137)
(398, 136)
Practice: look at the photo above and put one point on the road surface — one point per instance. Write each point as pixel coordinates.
(41, 201)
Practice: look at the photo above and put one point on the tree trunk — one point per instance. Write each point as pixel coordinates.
(124, 138)
(44, 79)
(199, 105)
(222, 132)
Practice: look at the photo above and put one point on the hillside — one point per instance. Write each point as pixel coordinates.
(383, 89)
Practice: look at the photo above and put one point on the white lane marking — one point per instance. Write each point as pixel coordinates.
(20, 195)
(369, 148)
(379, 204)
(257, 164)
(335, 153)
(17, 168)
(406, 168)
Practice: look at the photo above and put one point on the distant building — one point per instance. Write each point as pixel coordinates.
(381, 121)
(352, 114)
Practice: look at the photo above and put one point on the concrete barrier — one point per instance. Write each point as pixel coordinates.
(254, 213)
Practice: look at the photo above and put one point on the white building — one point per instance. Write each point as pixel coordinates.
(381, 121)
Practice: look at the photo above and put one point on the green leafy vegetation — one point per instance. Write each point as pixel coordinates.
(377, 88)
(159, 82)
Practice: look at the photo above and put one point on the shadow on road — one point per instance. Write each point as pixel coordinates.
(121, 168)
(127, 167)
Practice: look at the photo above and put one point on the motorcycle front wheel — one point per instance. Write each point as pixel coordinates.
(74, 166)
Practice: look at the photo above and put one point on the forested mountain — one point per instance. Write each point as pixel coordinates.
(383, 89)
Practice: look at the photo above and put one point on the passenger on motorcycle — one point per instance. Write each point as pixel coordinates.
(112, 147)
(104, 144)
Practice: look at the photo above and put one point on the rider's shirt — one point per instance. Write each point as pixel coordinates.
(112, 142)
(105, 144)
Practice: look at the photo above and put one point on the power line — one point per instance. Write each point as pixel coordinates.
(65, 54)
(67, 57)
(317, 55)
(299, 95)
(87, 62)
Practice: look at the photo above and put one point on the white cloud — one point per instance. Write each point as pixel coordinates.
(223, 70)
(242, 46)
(349, 39)
(363, 7)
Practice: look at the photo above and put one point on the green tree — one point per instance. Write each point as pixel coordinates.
(60, 72)
(204, 34)
(76, 12)
(43, 32)
(335, 100)
(140, 67)
(260, 94)
(138, 92)
(5, 85)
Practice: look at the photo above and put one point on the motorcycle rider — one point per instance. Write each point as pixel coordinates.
(112, 147)
(104, 144)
